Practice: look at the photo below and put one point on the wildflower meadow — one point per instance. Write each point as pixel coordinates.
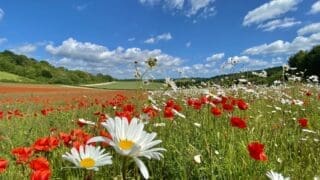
(207, 132)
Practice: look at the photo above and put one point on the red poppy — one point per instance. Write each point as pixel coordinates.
(1, 114)
(66, 138)
(128, 107)
(44, 112)
(205, 99)
(22, 154)
(3, 165)
(39, 164)
(46, 144)
(40, 175)
(227, 107)
(238, 122)
(195, 103)
(256, 151)
(150, 111)
(168, 113)
(125, 114)
(303, 122)
(216, 111)
(242, 104)
(172, 104)
(78, 138)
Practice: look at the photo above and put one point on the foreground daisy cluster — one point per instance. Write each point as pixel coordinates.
(127, 139)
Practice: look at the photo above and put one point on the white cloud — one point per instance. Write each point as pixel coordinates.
(3, 40)
(131, 39)
(270, 10)
(81, 7)
(284, 47)
(197, 5)
(279, 24)
(315, 8)
(189, 8)
(215, 57)
(150, 41)
(161, 37)
(152, 2)
(99, 59)
(175, 4)
(188, 44)
(1, 14)
(235, 62)
(309, 29)
(25, 49)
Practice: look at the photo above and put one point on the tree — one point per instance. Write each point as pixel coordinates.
(308, 62)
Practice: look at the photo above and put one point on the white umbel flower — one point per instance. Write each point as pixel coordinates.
(276, 176)
(88, 157)
(129, 139)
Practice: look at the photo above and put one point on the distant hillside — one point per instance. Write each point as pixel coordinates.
(273, 74)
(43, 72)
(8, 77)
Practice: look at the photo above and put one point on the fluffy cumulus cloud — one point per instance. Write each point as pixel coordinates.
(190, 8)
(215, 57)
(315, 8)
(26, 49)
(279, 24)
(270, 10)
(308, 37)
(161, 37)
(1, 14)
(118, 62)
(309, 29)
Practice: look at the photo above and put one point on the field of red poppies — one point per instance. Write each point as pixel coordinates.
(209, 132)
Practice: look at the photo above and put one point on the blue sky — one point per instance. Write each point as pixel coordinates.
(190, 38)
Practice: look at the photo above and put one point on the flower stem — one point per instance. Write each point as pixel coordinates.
(89, 175)
(124, 168)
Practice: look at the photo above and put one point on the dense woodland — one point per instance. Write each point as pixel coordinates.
(43, 72)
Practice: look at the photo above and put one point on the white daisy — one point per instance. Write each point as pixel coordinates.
(276, 176)
(88, 157)
(129, 139)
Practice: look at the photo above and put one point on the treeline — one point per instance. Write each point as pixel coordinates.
(273, 74)
(307, 61)
(43, 72)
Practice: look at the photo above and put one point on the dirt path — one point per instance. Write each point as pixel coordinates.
(99, 84)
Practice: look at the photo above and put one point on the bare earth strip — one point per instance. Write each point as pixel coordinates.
(99, 84)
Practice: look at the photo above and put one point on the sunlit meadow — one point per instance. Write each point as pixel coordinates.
(208, 132)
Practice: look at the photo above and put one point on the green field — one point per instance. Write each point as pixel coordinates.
(8, 77)
(128, 85)
(199, 144)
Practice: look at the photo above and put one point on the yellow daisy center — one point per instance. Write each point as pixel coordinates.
(126, 144)
(87, 163)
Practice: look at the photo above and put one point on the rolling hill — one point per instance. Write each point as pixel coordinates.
(43, 72)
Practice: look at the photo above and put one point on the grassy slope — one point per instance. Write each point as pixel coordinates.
(8, 77)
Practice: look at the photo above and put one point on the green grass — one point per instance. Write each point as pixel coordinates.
(129, 85)
(223, 148)
(8, 77)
